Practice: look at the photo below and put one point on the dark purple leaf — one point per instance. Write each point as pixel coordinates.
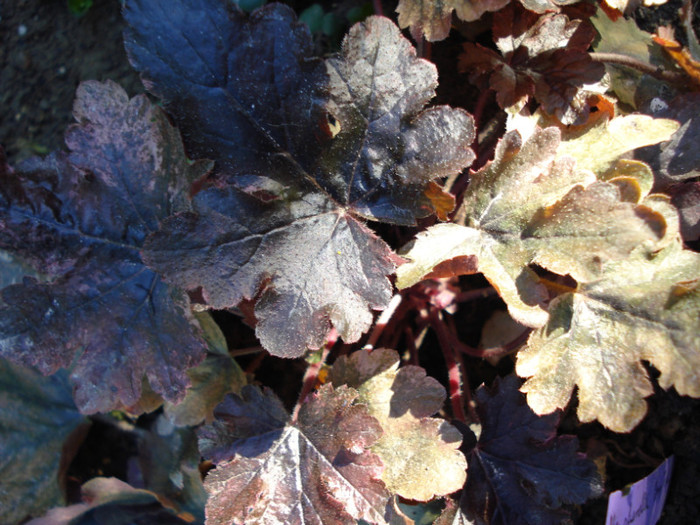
(81, 218)
(305, 150)
(314, 470)
(520, 471)
(544, 57)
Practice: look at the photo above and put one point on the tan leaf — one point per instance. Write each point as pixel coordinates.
(433, 18)
(420, 453)
(646, 307)
(532, 206)
(597, 145)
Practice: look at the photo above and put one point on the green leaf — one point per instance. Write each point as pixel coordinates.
(169, 461)
(37, 418)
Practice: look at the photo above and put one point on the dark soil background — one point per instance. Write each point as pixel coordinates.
(45, 51)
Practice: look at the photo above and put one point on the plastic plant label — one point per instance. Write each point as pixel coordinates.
(641, 503)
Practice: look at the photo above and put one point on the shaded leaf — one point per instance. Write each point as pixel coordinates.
(316, 469)
(680, 55)
(305, 149)
(453, 515)
(500, 330)
(520, 471)
(686, 198)
(109, 500)
(169, 467)
(420, 453)
(543, 57)
(677, 158)
(622, 36)
(81, 218)
(212, 379)
(37, 418)
(645, 307)
(529, 206)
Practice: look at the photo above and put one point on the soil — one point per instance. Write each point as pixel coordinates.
(45, 51)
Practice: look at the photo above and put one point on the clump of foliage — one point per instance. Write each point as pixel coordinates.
(259, 184)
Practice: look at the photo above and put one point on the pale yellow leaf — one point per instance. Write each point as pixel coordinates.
(646, 307)
(528, 206)
(420, 453)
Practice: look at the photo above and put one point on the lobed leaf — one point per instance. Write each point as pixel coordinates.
(317, 469)
(420, 453)
(520, 471)
(622, 37)
(81, 219)
(305, 150)
(595, 148)
(433, 19)
(528, 206)
(543, 57)
(644, 307)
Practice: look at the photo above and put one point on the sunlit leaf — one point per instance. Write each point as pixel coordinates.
(542, 57)
(529, 205)
(433, 18)
(646, 308)
(420, 453)
(317, 469)
(305, 149)
(110, 500)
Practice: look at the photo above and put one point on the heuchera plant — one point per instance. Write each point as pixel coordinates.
(258, 185)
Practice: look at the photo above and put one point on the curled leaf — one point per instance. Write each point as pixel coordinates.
(529, 206)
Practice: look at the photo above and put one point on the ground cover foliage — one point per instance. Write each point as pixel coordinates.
(328, 202)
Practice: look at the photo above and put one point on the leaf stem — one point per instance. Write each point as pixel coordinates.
(377, 4)
(556, 287)
(382, 321)
(674, 77)
(309, 381)
(238, 352)
(454, 372)
(478, 293)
